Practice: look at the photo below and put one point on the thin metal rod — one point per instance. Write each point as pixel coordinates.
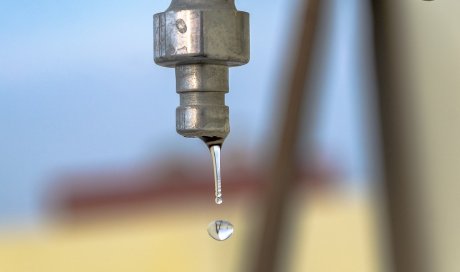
(282, 175)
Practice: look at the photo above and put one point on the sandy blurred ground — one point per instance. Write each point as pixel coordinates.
(331, 231)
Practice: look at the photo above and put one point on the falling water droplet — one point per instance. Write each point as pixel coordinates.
(215, 155)
(220, 230)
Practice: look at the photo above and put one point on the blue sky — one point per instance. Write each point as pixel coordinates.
(78, 88)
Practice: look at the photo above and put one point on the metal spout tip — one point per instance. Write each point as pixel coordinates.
(202, 111)
(210, 141)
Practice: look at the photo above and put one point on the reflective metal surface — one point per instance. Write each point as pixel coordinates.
(201, 39)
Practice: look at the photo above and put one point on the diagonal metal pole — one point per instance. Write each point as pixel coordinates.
(282, 176)
(396, 96)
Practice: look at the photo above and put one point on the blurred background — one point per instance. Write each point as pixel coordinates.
(94, 176)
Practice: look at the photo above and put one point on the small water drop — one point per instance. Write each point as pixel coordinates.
(220, 230)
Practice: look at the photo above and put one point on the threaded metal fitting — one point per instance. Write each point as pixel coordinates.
(202, 39)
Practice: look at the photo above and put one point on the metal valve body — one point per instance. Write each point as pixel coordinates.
(201, 39)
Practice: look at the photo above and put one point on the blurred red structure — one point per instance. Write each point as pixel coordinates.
(75, 194)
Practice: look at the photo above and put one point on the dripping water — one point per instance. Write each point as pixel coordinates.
(215, 155)
(219, 230)
(215, 146)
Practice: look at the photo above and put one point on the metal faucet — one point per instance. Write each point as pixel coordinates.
(201, 39)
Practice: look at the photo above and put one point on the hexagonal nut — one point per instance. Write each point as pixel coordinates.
(202, 121)
(217, 36)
